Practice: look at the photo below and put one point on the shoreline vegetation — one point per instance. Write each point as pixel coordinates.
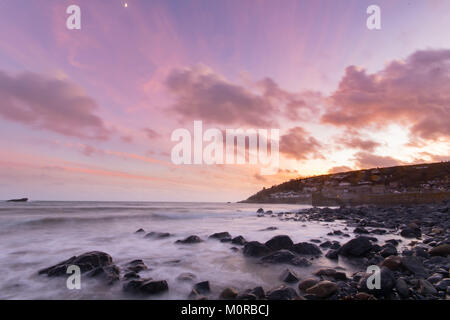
(412, 256)
(411, 184)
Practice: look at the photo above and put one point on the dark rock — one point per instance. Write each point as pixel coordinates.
(158, 235)
(279, 242)
(140, 231)
(154, 287)
(258, 292)
(441, 250)
(414, 265)
(306, 248)
(332, 254)
(109, 273)
(131, 275)
(357, 247)
(387, 282)
(388, 250)
(426, 288)
(307, 283)
(220, 235)
(326, 244)
(323, 289)
(282, 293)
(402, 287)
(202, 287)
(285, 256)
(186, 276)
(255, 249)
(86, 262)
(136, 266)
(260, 210)
(189, 240)
(239, 240)
(392, 262)
(289, 276)
(331, 273)
(269, 229)
(229, 294)
(360, 230)
(411, 233)
(443, 284)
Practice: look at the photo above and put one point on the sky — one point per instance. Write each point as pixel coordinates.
(88, 114)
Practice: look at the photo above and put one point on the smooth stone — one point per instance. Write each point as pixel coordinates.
(323, 289)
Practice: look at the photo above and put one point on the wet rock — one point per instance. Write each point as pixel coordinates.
(325, 244)
(441, 250)
(392, 262)
(356, 247)
(362, 296)
(360, 230)
(146, 286)
(426, 288)
(136, 266)
(443, 284)
(239, 240)
(411, 232)
(387, 282)
(414, 265)
(260, 210)
(154, 287)
(131, 275)
(255, 249)
(388, 250)
(86, 262)
(332, 254)
(282, 293)
(279, 242)
(246, 296)
(202, 287)
(229, 293)
(258, 292)
(331, 273)
(289, 276)
(110, 273)
(285, 256)
(157, 235)
(140, 231)
(323, 289)
(394, 242)
(402, 287)
(434, 278)
(186, 276)
(307, 283)
(269, 229)
(378, 231)
(221, 236)
(306, 249)
(190, 240)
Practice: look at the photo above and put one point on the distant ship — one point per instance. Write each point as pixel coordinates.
(18, 200)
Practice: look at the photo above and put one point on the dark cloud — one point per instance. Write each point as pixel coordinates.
(298, 144)
(51, 104)
(366, 160)
(414, 92)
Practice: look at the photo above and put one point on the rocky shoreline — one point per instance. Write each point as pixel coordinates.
(414, 264)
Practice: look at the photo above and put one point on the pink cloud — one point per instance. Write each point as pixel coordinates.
(414, 92)
(366, 160)
(298, 144)
(52, 104)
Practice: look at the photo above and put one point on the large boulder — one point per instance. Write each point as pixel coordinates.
(86, 262)
(306, 248)
(255, 249)
(356, 247)
(279, 242)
